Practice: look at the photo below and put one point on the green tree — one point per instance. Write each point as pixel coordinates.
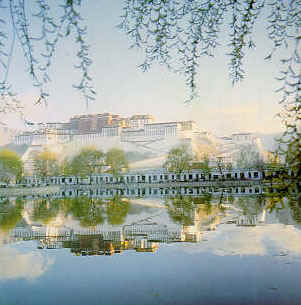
(88, 161)
(203, 165)
(178, 159)
(11, 166)
(116, 159)
(65, 167)
(46, 164)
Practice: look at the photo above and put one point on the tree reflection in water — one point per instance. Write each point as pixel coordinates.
(89, 212)
(117, 210)
(10, 214)
(45, 210)
(276, 202)
(250, 205)
(183, 210)
(296, 209)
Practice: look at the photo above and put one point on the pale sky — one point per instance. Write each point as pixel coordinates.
(123, 89)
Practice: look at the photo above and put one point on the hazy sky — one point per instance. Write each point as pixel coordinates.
(124, 89)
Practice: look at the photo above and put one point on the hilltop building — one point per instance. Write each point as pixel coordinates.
(88, 129)
(139, 132)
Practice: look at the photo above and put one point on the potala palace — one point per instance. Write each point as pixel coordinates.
(138, 133)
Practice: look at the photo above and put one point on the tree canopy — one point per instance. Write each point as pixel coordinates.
(88, 161)
(178, 159)
(116, 159)
(11, 166)
(46, 164)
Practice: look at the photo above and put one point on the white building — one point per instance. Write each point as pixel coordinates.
(44, 137)
(168, 129)
(243, 138)
(138, 121)
(111, 131)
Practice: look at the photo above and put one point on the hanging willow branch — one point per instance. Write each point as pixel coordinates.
(57, 20)
(174, 33)
(179, 33)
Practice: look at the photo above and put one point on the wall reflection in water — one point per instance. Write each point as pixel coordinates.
(102, 226)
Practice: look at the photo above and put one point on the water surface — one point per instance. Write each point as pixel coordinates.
(184, 250)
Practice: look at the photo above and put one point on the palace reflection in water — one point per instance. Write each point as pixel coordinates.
(214, 248)
(98, 225)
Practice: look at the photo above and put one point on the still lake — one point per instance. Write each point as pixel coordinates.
(181, 250)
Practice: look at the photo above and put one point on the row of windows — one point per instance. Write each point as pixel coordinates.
(155, 178)
(173, 191)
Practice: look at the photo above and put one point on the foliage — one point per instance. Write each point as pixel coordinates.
(249, 205)
(178, 159)
(203, 165)
(179, 33)
(88, 211)
(10, 214)
(117, 210)
(11, 166)
(65, 167)
(116, 159)
(204, 199)
(273, 159)
(45, 210)
(176, 33)
(181, 210)
(88, 161)
(19, 149)
(46, 164)
(293, 160)
(295, 206)
(19, 21)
